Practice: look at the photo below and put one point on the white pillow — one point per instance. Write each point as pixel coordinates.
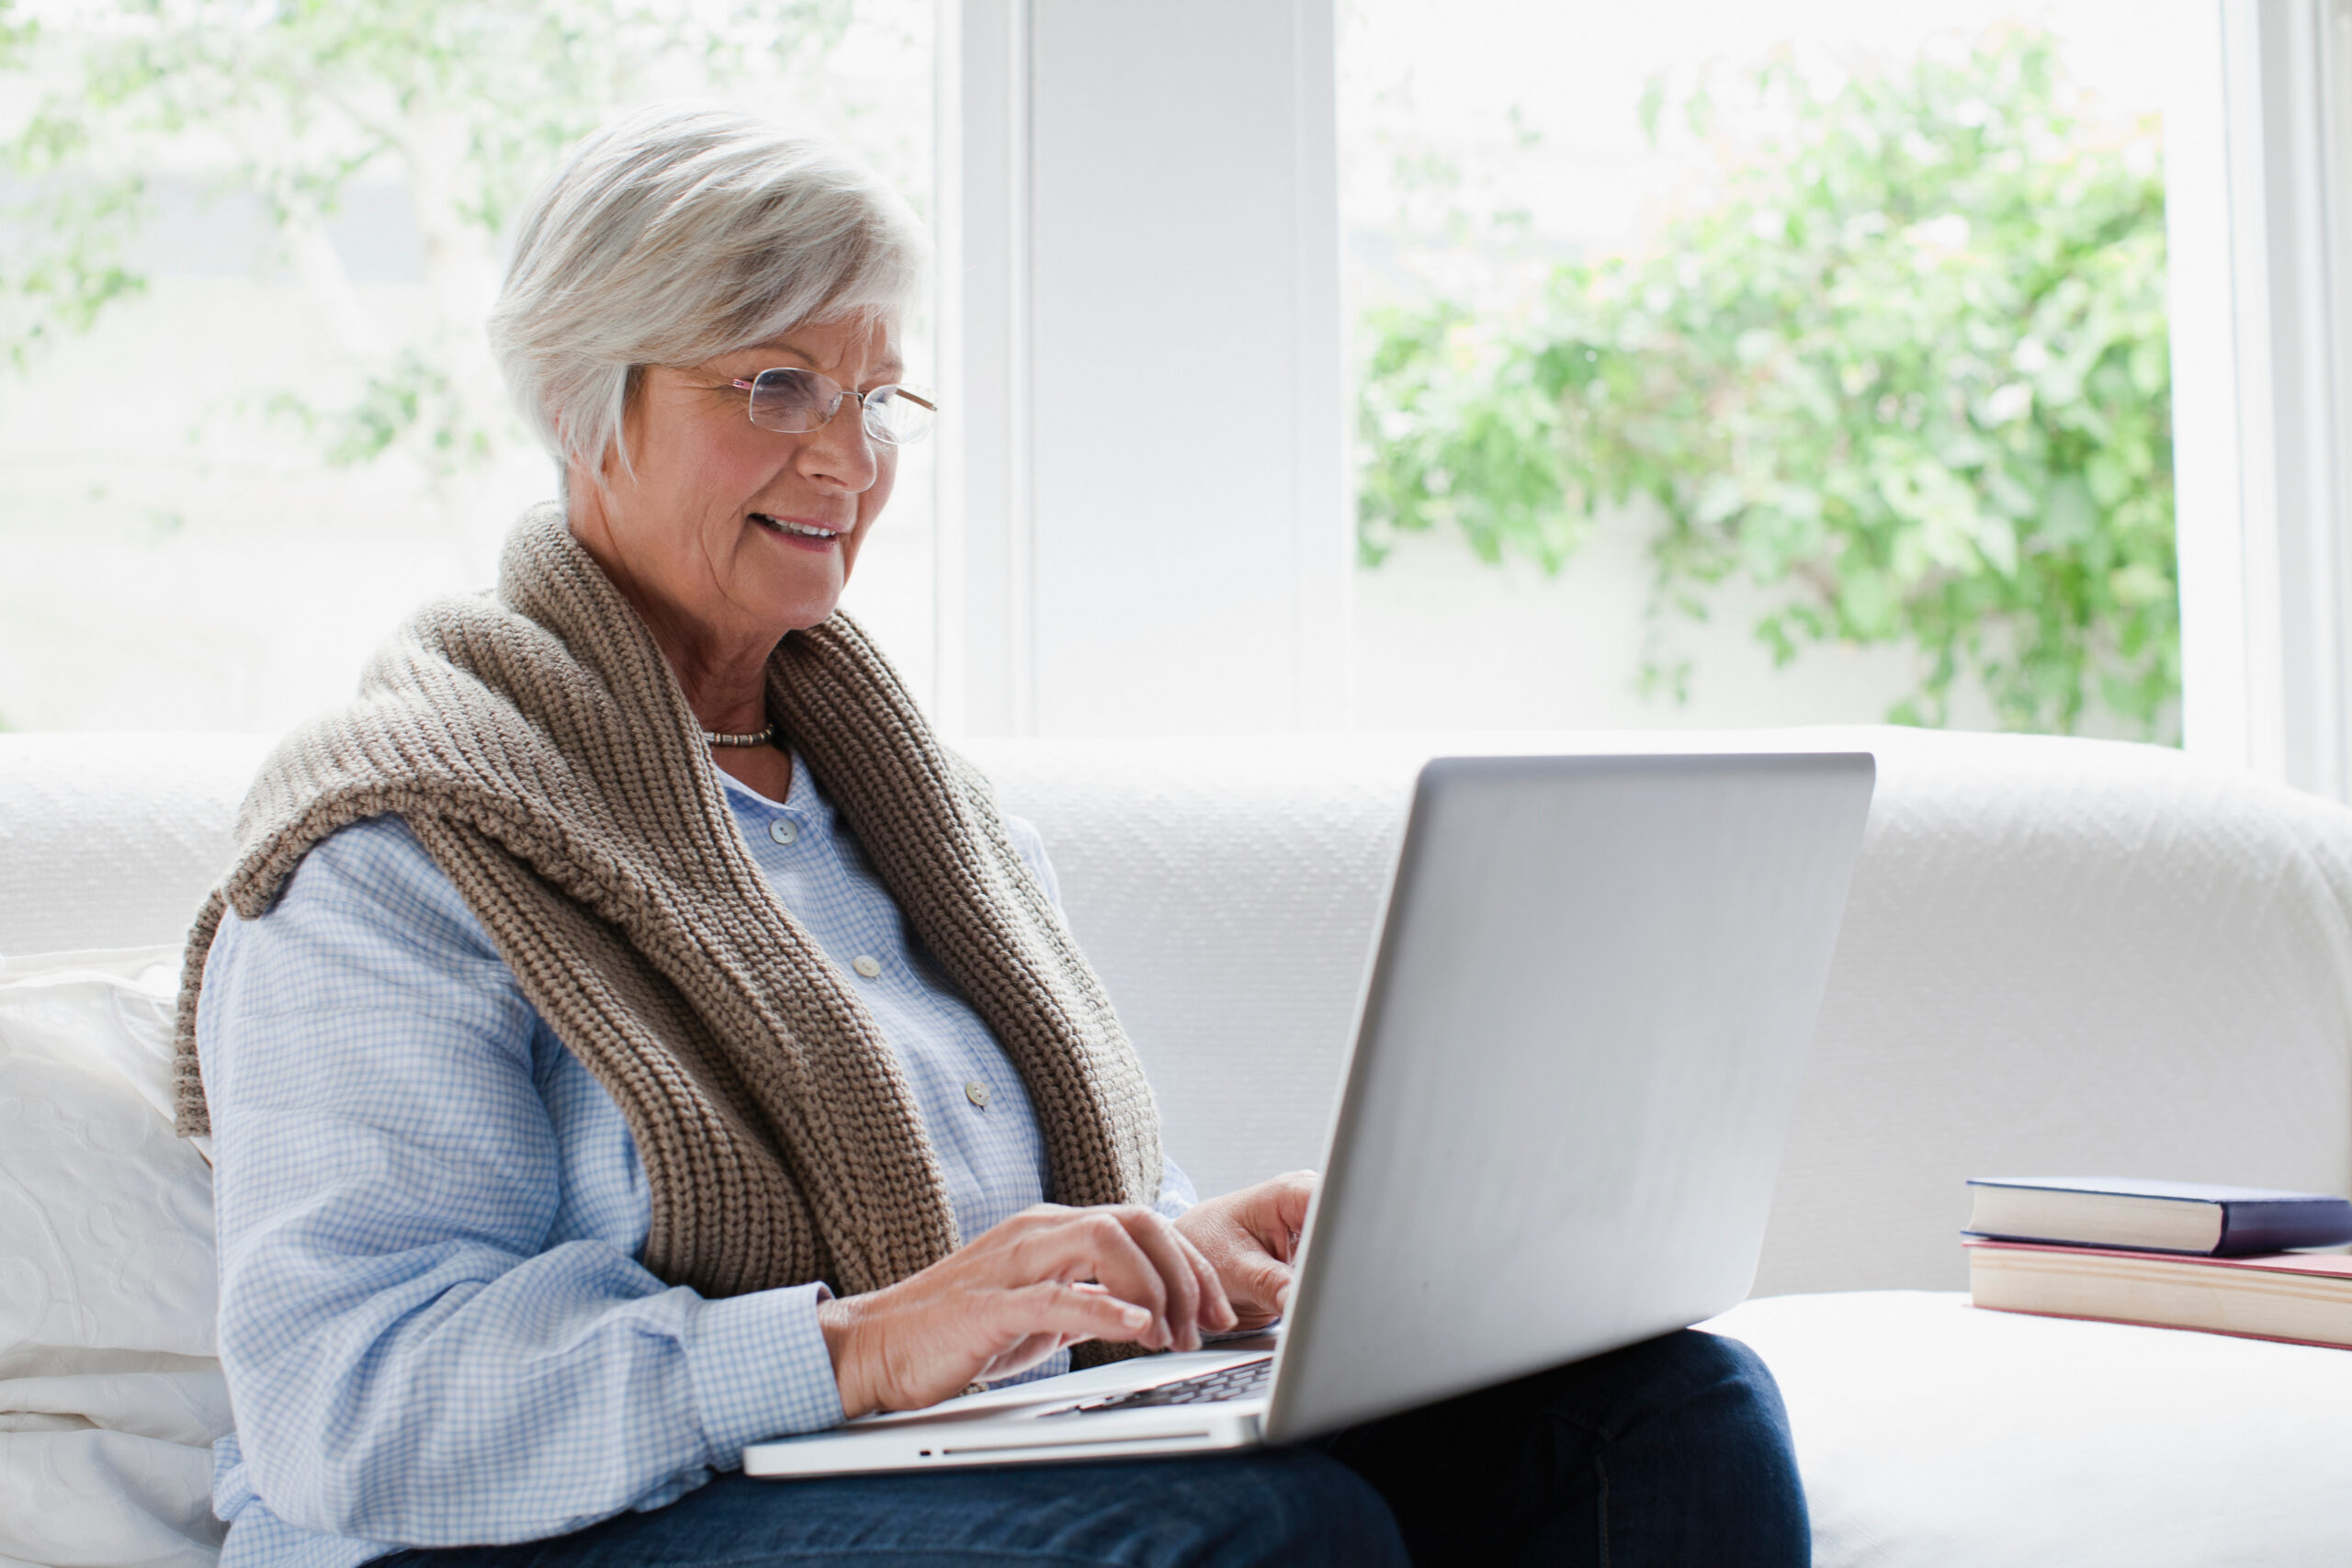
(1932, 1435)
(111, 1395)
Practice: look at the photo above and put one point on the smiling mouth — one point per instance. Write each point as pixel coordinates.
(797, 530)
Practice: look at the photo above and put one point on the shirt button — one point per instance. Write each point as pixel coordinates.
(866, 965)
(782, 832)
(977, 1093)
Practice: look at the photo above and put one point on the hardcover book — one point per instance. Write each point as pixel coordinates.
(2303, 1298)
(2155, 1216)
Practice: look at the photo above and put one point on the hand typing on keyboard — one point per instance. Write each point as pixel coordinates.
(1024, 1287)
(1251, 1238)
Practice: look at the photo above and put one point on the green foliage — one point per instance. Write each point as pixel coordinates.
(404, 401)
(1462, 433)
(1908, 372)
(16, 33)
(53, 291)
(466, 103)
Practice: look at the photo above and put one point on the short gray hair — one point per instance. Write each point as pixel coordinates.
(677, 234)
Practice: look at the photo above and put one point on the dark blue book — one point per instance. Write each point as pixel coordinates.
(2155, 1216)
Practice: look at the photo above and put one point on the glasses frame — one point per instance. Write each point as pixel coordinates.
(750, 389)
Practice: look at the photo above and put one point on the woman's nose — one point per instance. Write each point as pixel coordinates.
(840, 451)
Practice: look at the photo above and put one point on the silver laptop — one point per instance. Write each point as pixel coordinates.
(1576, 1063)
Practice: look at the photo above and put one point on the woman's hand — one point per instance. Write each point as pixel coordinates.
(1250, 1237)
(1046, 1278)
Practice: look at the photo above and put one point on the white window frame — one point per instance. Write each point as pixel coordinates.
(2258, 175)
(1071, 592)
(1143, 517)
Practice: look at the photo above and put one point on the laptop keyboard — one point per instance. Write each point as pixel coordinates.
(1227, 1382)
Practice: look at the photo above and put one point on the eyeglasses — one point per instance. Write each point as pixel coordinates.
(794, 401)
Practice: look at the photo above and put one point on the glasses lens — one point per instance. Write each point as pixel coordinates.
(898, 414)
(793, 400)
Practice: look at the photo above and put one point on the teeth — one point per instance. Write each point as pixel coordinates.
(800, 528)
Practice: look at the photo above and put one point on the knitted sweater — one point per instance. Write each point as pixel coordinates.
(537, 743)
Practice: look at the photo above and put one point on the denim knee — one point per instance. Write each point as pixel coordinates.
(1720, 1430)
(1728, 1365)
(1665, 1373)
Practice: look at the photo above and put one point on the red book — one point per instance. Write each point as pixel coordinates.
(2302, 1298)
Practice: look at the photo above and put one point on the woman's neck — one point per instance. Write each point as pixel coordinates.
(720, 665)
(722, 670)
(726, 686)
(727, 690)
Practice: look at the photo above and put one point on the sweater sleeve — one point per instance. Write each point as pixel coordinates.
(424, 1343)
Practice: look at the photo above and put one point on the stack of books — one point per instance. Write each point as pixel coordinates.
(2175, 1255)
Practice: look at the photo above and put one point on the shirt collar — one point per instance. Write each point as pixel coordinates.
(803, 801)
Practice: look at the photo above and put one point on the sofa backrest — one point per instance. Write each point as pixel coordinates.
(112, 839)
(2060, 956)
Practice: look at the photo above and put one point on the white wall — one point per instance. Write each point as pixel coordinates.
(1445, 641)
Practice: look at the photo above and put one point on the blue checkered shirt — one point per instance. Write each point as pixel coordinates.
(434, 1325)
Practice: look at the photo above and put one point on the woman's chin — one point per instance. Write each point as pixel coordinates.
(801, 578)
(804, 604)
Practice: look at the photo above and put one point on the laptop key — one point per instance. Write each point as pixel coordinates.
(1210, 1388)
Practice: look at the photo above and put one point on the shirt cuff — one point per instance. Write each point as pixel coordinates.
(761, 1369)
(1176, 1193)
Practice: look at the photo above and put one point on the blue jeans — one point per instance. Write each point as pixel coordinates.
(1674, 1450)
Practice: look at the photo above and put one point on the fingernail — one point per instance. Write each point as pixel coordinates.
(1134, 1317)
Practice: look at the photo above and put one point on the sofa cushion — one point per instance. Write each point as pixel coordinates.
(109, 1394)
(1934, 1434)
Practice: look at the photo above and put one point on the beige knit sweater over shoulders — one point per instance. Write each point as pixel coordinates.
(537, 743)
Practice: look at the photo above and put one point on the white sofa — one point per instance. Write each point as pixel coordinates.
(2059, 957)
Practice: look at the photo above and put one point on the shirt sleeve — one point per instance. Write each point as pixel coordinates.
(412, 1361)
(1176, 1193)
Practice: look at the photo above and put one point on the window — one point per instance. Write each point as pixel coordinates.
(1723, 364)
(1141, 518)
(282, 228)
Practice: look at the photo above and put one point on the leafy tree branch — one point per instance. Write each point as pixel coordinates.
(463, 104)
(1906, 371)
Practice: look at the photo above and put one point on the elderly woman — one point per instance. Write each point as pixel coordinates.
(626, 1034)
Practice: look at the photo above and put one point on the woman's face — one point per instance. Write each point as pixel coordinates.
(743, 531)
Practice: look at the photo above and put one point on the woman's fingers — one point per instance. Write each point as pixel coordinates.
(1071, 1314)
(1093, 1243)
(1134, 1253)
(1217, 1315)
(1046, 1278)
(1197, 1295)
(1179, 1281)
(1268, 1286)
(1279, 1212)
(1251, 1239)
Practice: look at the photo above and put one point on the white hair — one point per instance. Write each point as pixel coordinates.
(673, 236)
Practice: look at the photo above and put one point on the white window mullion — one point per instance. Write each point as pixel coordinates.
(1325, 568)
(1142, 515)
(2256, 200)
(985, 585)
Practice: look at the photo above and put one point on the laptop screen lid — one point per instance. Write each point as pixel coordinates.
(1576, 1060)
